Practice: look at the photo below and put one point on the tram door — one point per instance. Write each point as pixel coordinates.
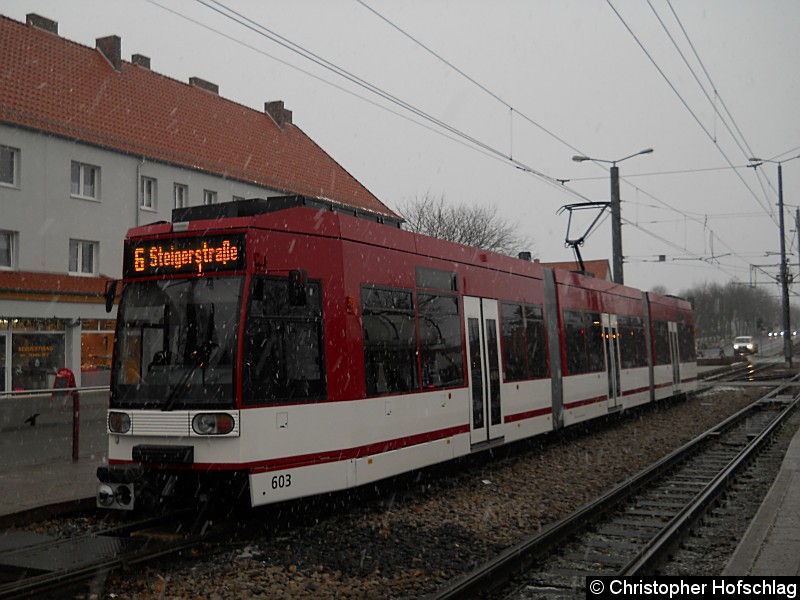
(674, 354)
(483, 366)
(611, 346)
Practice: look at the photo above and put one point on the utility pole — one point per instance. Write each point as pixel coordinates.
(616, 210)
(787, 328)
(616, 226)
(784, 268)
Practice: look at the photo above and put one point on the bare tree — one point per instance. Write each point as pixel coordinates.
(659, 289)
(474, 225)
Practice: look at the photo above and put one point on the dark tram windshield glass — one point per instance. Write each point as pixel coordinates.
(176, 342)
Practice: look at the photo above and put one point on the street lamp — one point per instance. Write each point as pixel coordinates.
(784, 271)
(616, 213)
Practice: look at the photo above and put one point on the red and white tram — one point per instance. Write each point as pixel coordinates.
(286, 348)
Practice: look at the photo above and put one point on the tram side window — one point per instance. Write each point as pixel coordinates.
(514, 348)
(583, 337)
(686, 342)
(440, 341)
(632, 346)
(390, 343)
(594, 342)
(661, 343)
(283, 345)
(524, 355)
(575, 343)
(534, 332)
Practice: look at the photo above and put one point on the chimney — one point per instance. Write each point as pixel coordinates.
(279, 114)
(41, 23)
(141, 60)
(111, 47)
(204, 85)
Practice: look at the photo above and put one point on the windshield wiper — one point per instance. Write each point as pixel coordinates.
(200, 356)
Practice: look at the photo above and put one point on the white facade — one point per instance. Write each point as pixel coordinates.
(53, 229)
(44, 215)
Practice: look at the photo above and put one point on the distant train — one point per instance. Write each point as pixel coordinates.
(286, 347)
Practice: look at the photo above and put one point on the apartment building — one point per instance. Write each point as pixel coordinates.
(91, 145)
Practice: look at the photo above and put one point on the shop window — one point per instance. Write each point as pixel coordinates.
(97, 343)
(35, 359)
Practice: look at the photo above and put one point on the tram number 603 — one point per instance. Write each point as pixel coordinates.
(281, 481)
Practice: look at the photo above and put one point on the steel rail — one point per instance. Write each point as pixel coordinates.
(72, 579)
(517, 559)
(664, 541)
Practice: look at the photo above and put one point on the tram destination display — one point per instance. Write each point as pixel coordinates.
(185, 255)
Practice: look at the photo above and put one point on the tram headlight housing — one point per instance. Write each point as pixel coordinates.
(119, 422)
(105, 495)
(123, 496)
(213, 423)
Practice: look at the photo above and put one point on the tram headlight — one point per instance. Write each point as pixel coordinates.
(213, 423)
(123, 495)
(119, 422)
(105, 495)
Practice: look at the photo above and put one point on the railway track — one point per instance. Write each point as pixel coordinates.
(632, 528)
(35, 565)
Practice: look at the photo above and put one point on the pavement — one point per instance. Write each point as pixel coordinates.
(36, 460)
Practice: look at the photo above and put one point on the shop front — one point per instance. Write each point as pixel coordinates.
(50, 322)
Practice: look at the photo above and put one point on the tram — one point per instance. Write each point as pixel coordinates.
(286, 347)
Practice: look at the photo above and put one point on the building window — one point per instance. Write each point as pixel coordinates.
(85, 181)
(7, 243)
(209, 197)
(82, 257)
(238, 198)
(181, 194)
(149, 191)
(9, 166)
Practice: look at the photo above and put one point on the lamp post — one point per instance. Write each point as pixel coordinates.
(616, 212)
(784, 270)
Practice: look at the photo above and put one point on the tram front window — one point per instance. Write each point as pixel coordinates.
(176, 342)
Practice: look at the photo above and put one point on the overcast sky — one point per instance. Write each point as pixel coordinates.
(522, 86)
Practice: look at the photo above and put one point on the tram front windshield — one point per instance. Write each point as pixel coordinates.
(176, 343)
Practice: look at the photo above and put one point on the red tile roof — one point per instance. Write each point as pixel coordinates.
(54, 85)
